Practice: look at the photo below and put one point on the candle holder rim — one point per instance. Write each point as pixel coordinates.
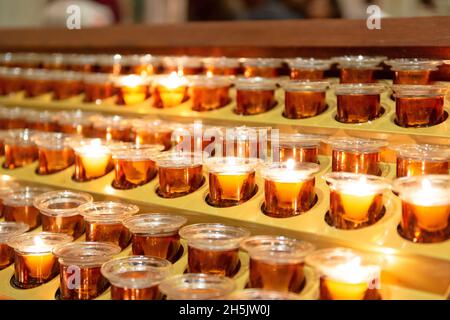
(304, 140)
(255, 83)
(356, 144)
(302, 85)
(337, 179)
(197, 281)
(239, 164)
(155, 268)
(221, 62)
(182, 61)
(120, 80)
(300, 170)
(261, 62)
(413, 64)
(359, 88)
(262, 294)
(419, 90)
(154, 223)
(403, 185)
(136, 152)
(309, 63)
(19, 136)
(358, 61)
(99, 78)
(23, 195)
(9, 229)
(75, 253)
(107, 211)
(44, 200)
(422, 151)
(8, 185)
(277, 249)
(207, 81)
(20, 242)
(53, 140)
(171, 159)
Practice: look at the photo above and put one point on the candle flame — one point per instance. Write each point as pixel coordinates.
(173, 81)
(209, 74)
(132, 81)
(38, 241)
(290, 164)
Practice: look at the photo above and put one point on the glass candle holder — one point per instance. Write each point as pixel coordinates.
(421, 159)
(76, 122)
(93, 159)
(59, 211)
(81, 62)
(358, 69)
(13, 118)
(20, 149)
(276, 263)
(419, 105)
(246, 142)
(179, 174)
(25, 60)
(34, 262)
(143, 65)
(169, 91)
(296, 146)
(231, 180)
(37, 82)
(153, 132)
(262, 294)
(67, 84)
(136, 278)
(209, 92)
(108, 63)
(289, 188)
(132, 89)
(104, 221)
(44, 121)
(55, 61)
(7, 185)
(197, 287)
(11, 81)
(304, 99)
(18, 206)
(9, 230)
(425, 207)
(213, 248)
(413, 71)
(134, 165)
(261, 67)
(308, 69)
(356, 155)
(54, 152)
(98, 87)
(183, 65)
(113, 128)
(356, 200)
(80, 269)
(345, 275)
(197, 138)
(221, 66)
(156, 235)
(358, 103)
(255, 96)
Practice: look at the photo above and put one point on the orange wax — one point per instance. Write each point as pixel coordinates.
(40, 265)
(95, 166)
(133, 95)
(346, 291)
(288, 191)
(432, 218)
(356, 207)
(231, 184)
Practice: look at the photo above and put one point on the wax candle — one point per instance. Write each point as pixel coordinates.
(419, 105)
(421, 159)
(113, 128)
(20, 149)
(54, 152)
(209, 92)
(144, 65)
(179, 174)
(221, 66)
(153, 132)
(231, 180)
(7, 185)
(345, 275)
(197, 287)
(255, 96)
(169, 91)
(9, 230)
(92, 160)
(276, 263)
(213, 248)
(156, 235)
(296, 146)
(356, 155)
(413, 70)
(67, 84)
(425, 207)
(76, 122)
(98, 87)
(356, 200)
(13, 118)
(358, 69)
(246, 142)
(37, 82)
(42, 121)
(80, 265)
(288, 188)
(132, 89)
(137, 277)
(104, 221)
(11, 81)
(182, 65)
(34, 262)
(261, 67)
(308, 69)
(60, 211)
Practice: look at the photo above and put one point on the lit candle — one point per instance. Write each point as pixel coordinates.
(92, 160)
(356, 200)
(425, 207)
(169, 91)
(288, 188)
(132, 89)
(231, 180)
(344, 275)
(35, 263)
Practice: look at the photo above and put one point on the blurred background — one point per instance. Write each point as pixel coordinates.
(94, 13)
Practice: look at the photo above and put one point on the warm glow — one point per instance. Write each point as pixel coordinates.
(132, 81)
(357, 197)
(173, 81)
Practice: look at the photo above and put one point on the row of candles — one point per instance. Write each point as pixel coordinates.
(354, 69)
(356, 102)
(87, 268)
(357, 189)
